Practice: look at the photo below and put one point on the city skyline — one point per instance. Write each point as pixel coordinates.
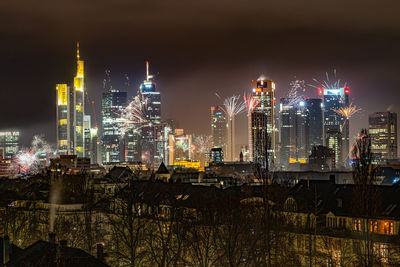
(370, 71)
(243, 136)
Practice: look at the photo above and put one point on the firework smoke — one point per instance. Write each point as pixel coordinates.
(250, 102)
(27, 161)
(134, 116)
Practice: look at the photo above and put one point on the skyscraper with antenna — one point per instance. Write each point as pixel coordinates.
(153, 137)
(79, 110)
(70, 113)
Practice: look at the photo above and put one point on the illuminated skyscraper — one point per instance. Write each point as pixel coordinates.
(65, 119)
(293, 139)
(218, 127)
(92, 144)
(70, 113)
(113, 145)
(334, 141)
(9, 144)
(300, 129)
(314, 127)
(79, 110)
(383, 132)
(335, 99)
(262, 123)
(153, 137)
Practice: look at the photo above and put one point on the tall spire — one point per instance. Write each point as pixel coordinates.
(77, 50)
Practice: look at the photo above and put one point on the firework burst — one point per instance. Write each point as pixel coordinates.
(27, 161)
(347, 112)
(134, 116)
(202, 143)
(330, 82)
(296, 92)
(232, 106)
(250, 102)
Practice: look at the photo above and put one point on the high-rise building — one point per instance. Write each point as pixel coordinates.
(383, 133)
(336, 98)
(9, 144)
(113, 146)
(87, 122)
(70, 113)
(262, 123)
(314, 127)
(180, 146)
(95, 155)
(334, 141)
(293, 138)
(79, 110)
(65, 119)
(152, 141)
(300, 129)
(218, 128)
(132, 146)
(92, 144)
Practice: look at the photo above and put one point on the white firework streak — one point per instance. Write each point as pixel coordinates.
(295, 94)
(27, 161)
(329, 83)
(134, 116)
(202, 143)
(250, 102)
(232, 106)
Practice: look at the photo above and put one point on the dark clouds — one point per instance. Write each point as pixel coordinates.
(197, 48)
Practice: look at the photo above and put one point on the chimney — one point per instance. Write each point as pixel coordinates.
(100, 252)
(52, 237)
(6, 249)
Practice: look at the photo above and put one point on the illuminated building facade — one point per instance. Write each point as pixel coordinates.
(132, 146)
(153, 136)
(334, 141)
(65, 119)
(314, 124)
(293, 122)
(336, 99)
(113, 146)
(180, 146)
(79, 109)
(218, 128)
(9, 144)
(188, 164)
(262, 123)
(383, 133)
(70, 114)
(216, 155)
(91, 141)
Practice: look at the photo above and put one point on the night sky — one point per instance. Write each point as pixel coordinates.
(195, 48)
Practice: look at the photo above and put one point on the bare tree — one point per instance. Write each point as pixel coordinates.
(366, 196)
